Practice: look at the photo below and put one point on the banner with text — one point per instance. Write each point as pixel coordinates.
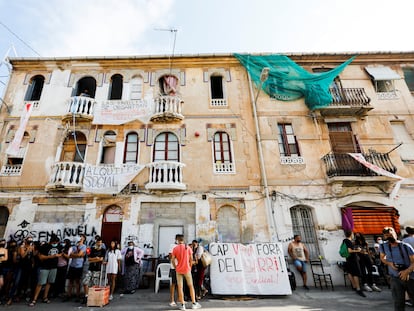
(109, 179)
(253, 269)
(118, 112)
(14, 147)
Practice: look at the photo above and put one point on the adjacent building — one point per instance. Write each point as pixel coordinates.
(146, 147)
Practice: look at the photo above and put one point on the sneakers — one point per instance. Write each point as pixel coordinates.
(360, 293)
(172, 304)
(195, 305)
(305, 287)
(375, 288)
(366, 288)
(182, 307)
(111, 297)
(408, 303)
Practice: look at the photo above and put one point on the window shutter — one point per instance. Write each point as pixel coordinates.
(342, 142)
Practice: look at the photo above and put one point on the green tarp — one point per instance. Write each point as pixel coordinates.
(288, 81)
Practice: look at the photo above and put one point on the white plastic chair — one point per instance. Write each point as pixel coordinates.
(162, 274)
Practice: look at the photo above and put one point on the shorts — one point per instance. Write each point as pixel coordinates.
(300, 264)
(91, 278)
(74, 273)
(187, 276)
(47, 276)
(173, 276)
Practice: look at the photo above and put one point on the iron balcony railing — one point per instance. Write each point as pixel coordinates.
(349, 97)
(342, 164)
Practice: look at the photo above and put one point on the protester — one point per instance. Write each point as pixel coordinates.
(3, 258)
(93, 275)
(409, 239)
(76, 267)
(131, 267)
(352, 263)
(49, 254)
(182, 260)
(14, 274)
(113, 265)
(399, 258)
(26, 253)
(173, 274)
(198, 270)
(62, 268)
(300, 256)
(365, 263)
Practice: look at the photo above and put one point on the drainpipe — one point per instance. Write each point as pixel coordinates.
(268, 205)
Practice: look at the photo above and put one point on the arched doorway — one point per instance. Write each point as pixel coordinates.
(228, 225)
(112, 224)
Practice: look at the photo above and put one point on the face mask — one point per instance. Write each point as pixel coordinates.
(391, 239)
(131, 247)
(54, 245)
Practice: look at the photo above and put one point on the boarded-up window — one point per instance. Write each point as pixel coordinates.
(135, 88)
(401, 135)
(228, 225)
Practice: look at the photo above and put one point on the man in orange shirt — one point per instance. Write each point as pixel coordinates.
(182, 257)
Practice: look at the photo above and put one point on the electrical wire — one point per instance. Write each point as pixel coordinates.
(20, 39)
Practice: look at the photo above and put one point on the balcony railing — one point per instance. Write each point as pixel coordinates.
(165, 175)
(224, 168)
(347, 101)
(167, 109)
(11, 170)
(218, 102)
(66, 176)
(344, 165)
(81, 107)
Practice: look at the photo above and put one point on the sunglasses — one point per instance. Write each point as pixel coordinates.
(387, 230)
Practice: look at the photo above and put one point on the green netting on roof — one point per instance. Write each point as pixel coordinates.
(288, 81)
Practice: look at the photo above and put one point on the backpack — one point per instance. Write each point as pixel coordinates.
(343, 250)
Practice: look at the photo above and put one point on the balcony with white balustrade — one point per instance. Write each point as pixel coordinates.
(165, 175)
(80, 107)
(67, 176)
(167, 108)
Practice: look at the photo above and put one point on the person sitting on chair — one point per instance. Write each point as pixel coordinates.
(300, 255)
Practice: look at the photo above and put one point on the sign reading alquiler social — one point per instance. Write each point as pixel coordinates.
(252, 269)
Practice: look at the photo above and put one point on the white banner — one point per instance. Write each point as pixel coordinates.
(253, 269)
(360, 158)
(118, 112)
(14, 146)
(109, 179)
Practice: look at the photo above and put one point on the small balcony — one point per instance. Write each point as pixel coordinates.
(342, 167)
(165, 175)
(81, 107)
(167, 109)
(67, 176)
(347, 102)
(11, 170)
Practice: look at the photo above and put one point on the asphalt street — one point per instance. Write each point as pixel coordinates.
(342, 298)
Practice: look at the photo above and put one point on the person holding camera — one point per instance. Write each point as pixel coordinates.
(399, 259)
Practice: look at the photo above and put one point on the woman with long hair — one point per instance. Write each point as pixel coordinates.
(113, 265)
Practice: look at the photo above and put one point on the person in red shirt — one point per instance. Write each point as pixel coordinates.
(182, 256)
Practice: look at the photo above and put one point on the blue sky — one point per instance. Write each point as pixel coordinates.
(55, 28)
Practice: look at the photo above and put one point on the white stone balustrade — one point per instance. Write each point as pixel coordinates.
(165, 175)
(224, 168)
(67, 175)
(82, 106)
(11, 170)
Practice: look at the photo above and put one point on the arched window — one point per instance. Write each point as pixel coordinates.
(86, 87)
(108, 148)
(135, 88)
(131, 148)
(168, 85)
(115, 89)
(35, 88)
(166, 148)
(74, 148)
(302, 224)
(228, 225)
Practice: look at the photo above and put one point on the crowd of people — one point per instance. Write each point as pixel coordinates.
(33, 271)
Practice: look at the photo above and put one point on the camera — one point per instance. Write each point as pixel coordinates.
(400, 267)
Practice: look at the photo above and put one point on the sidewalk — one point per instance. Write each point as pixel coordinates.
(341, 299)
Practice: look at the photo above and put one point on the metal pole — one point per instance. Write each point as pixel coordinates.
(268, 204)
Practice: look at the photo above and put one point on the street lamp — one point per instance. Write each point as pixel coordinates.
(264, 75)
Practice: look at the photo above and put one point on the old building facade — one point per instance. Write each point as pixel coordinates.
(146, 147)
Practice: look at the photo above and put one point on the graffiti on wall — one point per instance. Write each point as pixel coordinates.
(64, 232)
